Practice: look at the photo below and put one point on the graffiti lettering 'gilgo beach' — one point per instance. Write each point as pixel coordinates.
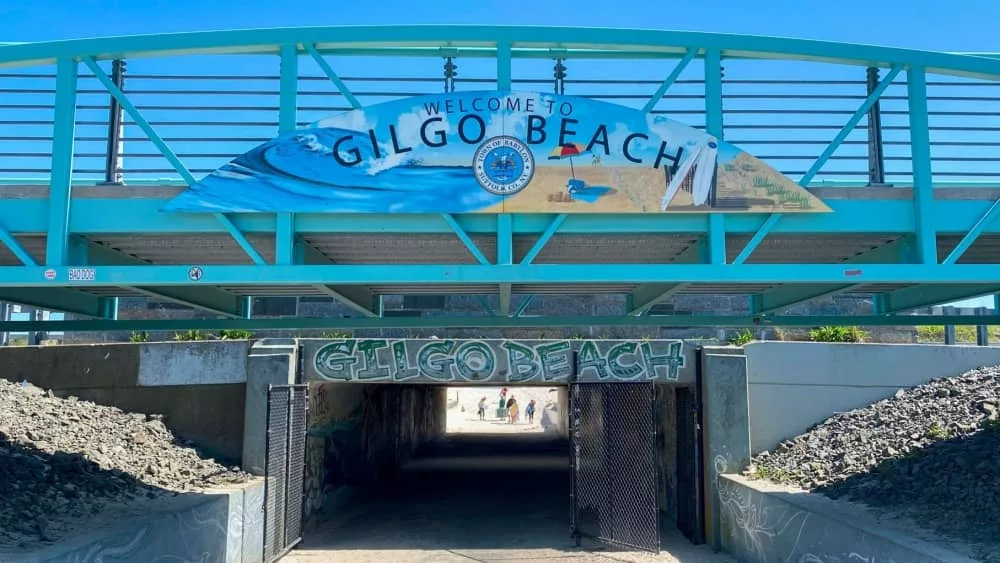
(498, 361)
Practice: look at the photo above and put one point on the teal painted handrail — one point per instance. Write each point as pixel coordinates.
(625, 41)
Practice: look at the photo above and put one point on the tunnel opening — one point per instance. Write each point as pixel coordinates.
(507, 410)
(398, 470)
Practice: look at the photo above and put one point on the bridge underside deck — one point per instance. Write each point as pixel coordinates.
(447, 249)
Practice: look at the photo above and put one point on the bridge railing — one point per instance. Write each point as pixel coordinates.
(209, 108)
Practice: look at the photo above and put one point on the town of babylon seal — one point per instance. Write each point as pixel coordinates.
(503, 165)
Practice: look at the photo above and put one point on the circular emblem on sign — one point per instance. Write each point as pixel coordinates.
(50, 274)
(195, 273)
(503, 165)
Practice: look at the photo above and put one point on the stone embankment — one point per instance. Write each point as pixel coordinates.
(64, 461)
(931, 454)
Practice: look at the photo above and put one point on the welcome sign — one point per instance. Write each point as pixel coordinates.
(496, 152)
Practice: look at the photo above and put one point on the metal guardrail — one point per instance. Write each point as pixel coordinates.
(218, 107)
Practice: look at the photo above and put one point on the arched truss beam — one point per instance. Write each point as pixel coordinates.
(477, 40)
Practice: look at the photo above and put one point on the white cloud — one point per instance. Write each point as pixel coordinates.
(408, 126)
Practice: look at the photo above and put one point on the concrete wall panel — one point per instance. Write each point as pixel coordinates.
(794, 385)
(193, 363)
(190, 527)
(726, 420)
(210, 416)
(252, 538)
(72, 367)
(763, 523)
(262, 370)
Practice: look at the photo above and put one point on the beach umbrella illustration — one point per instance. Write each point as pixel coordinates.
(568, 150)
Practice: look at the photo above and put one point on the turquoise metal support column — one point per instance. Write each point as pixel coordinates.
(714, 126)
(60, 183)
(503, 66)
(505, 223)
(288, 95)
(288, 89)
(505, 257)
(920, 149)
(109, 308)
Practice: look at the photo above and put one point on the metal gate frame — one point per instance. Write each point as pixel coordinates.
(576, 530)
(690, 452)
(284, 469)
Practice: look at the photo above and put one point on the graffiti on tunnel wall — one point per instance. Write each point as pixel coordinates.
(494, 361)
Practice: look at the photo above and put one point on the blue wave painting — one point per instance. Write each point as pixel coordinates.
(296, 172)
(425, 155)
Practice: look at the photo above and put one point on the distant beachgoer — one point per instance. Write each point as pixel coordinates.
(482, 408)
(530, 411)
(512, 410)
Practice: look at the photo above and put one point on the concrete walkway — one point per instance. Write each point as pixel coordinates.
(475, 502)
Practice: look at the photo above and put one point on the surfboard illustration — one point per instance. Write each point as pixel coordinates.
(496, 152)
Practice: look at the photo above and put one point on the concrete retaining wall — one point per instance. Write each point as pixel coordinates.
(763, 523)
(197, 386)
(359, 434)
(794, 385)
(218, 526)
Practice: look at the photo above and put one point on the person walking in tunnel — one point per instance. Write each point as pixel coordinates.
(530, 411)
(512, 410)
(482, 408)
(502, 408)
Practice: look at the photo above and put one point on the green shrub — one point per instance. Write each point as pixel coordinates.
(838, 334)
(139, 337)
(235, 334)
(742, 338)
(336, 334)
(937, 431)
(963, 333)
(190, 335)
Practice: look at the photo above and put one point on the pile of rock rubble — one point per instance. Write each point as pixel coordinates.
(64, 459)
(931, 453)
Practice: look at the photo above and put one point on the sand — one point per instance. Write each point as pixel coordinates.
(745, 185)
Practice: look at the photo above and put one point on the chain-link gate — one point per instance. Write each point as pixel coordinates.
(615, 494)
(284, 470)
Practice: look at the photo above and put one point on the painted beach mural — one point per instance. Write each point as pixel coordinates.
(496, 152)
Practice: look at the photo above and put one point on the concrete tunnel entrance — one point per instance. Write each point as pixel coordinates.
(413, 467)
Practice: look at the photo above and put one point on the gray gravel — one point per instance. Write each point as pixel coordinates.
(64, 460)
(931, 453)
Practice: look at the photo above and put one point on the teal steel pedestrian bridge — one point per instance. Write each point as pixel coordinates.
(98, 135)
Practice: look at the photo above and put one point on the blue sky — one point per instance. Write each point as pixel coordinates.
(963, 25)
